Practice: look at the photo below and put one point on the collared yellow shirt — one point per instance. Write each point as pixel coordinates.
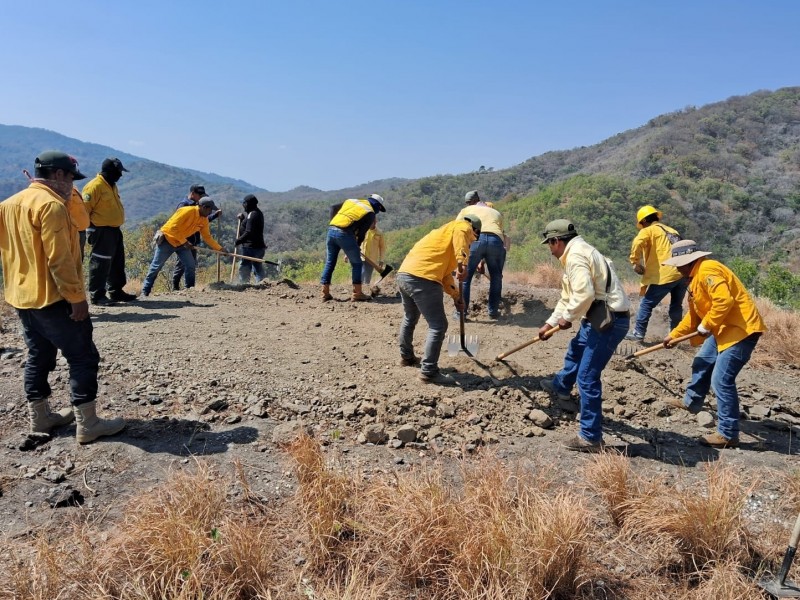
(185, 222)
(77, 211)
(650, 248)
(374, 246)
(103, 203)
(720, 303)
(40, 251)
(436, 255)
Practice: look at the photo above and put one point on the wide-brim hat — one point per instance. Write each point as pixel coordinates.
(683, 253)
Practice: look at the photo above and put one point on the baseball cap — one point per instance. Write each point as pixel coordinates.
(476, 223)
(113, 163)
(53, 159)
(471, 196)
(207, 202)
(200, 190)
(558, 228)
(379, 199)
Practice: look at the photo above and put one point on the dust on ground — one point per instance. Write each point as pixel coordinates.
(227, 373)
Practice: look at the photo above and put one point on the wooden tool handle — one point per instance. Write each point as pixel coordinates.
(657, 347)
(547, 336)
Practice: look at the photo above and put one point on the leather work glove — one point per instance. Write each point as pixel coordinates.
(241, 216)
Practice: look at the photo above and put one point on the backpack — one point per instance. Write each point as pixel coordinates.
(672, 237)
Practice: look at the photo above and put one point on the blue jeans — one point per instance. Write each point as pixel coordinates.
(245, 266)
(47, 330)
(488, 247)
(425, 297)
(163, 251)
(718, 370)
(587, 355)
(336, 240)
(656, 293)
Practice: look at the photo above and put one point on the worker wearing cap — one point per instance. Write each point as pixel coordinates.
(251, 239)
(650, 248)
(423, 278)
(172, 239)
(106, 213)
(586, 279)
(346, 232)
(196, 193)
(43, 280)
(729, 325)
(489, 247)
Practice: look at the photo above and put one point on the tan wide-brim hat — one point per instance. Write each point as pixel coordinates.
(683, 253)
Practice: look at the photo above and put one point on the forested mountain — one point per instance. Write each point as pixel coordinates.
(726, 174)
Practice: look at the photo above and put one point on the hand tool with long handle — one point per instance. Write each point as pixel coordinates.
(219, 258)
(239, 256)
(657, 347)
(547, 336)
(471, 345)
(384, 271)
(778, 586)
(233, 264)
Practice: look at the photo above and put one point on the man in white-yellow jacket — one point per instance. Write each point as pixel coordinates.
(651, 246)
(43, 280)
(729, 327)
(422, 279)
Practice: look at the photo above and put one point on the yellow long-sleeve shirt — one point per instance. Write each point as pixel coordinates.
(40, 251)
(77, 211)
(185, 222)
(720, 303)
(103, 203)
(374, 246)
(436, 255)
(652, 247)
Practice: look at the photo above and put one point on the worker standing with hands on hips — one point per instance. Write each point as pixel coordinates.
(723, 313)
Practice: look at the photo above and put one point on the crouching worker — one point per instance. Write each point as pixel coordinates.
(43, 280)
(729, 324)
(173, 236)
(424, 276)
(588, 276)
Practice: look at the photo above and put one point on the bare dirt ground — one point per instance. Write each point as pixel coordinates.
(224, 373)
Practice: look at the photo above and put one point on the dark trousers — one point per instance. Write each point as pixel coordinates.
(179, 270)
(47, 330)
(106, 262)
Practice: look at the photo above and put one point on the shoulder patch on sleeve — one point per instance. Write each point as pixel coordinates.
(709, 281)
(87, 197)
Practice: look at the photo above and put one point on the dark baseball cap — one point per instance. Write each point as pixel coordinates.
(113, 164)
(53, 159)
(207, 202)
(200, 190)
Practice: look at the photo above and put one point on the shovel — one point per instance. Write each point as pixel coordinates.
(547, 336)
(469, 345)
(778, 587)
(375, 290)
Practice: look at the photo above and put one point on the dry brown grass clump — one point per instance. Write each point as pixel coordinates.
(542, 275)
(779, 343)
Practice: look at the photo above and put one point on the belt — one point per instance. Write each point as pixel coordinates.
(624, 313)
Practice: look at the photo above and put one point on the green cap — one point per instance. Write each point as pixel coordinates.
(558, 228)
(476, 222)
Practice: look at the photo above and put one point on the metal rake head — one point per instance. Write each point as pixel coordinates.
(626, 350)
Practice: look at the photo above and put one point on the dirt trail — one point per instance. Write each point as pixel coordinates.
(224, 372)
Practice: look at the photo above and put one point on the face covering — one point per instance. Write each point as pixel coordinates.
(111, 177)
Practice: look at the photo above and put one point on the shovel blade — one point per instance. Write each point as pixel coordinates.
(453, 345)
(774, 588)
(473, 345)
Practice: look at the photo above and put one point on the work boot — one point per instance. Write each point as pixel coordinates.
(717, 440)
(409, 362)
(121, 297)
(326, 292)
(358, 295)
(91, 427)
(42, 420)
(547, 386)
(578, 444)
(678, 403)
(437, 378)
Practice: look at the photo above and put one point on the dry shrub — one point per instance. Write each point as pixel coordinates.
(495, 536)
(325, 498)
(791, 490)
(179, 541)
(779, 343)
(725, 581)
(704, 528)
(542, 275)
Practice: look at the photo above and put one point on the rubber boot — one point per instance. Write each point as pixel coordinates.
(90, 427)
(358, 295)
(42, 420)
(326, 292)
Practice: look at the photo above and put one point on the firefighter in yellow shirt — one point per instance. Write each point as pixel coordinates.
(43, 280)
(106, 213)
(650, 247)
(173, 238)
(423, 278)
(729, 324)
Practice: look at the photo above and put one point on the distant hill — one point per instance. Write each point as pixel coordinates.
(727, 174)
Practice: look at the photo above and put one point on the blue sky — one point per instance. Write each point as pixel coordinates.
(333, 94)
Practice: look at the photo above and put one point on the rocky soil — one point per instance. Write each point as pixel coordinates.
(227, 373)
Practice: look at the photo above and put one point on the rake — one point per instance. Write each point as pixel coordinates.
(626, 350)
(546, 336)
